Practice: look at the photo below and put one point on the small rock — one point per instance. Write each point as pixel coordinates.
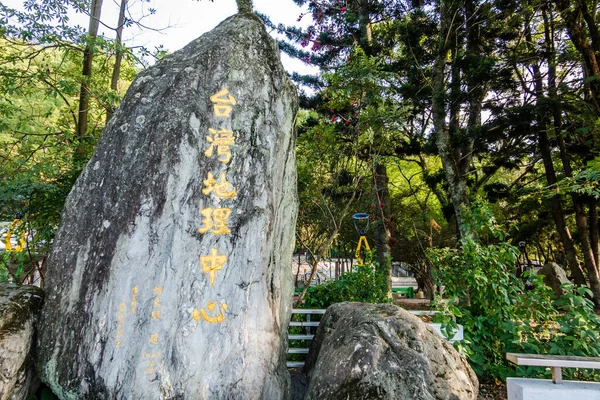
(554, 277)
(19, 306)
(380, 351)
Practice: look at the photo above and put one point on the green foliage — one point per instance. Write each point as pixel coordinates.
(37, 203)
(364, 284)
(39, 151)
(482, 277)
(565, 326)
(500, 316)
(330, 179)
(584, 182)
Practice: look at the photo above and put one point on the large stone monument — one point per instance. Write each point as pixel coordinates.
(170, 274)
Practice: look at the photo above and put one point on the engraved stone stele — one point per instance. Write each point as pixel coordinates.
(170, 274)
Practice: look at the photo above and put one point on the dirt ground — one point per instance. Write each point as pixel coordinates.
(492, 391)
(412, 304)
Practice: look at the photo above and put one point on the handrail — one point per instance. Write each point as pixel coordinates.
(309, 325)
(308, 311)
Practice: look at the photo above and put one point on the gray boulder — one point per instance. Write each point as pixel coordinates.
(380, 351)
(169, 277)
(19, 306)
(554, 277)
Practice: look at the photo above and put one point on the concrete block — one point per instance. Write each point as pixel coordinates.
(458, 334)
(545, 389)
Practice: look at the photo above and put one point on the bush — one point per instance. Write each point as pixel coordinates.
(478, 278)
(500, 316)
(566, 326)
(364, 284)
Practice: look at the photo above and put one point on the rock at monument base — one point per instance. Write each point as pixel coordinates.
(380, 351)
(554, 277)
(299, 384)
(19, 306)
(170, 273)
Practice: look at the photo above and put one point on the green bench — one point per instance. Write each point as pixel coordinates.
(407, 291)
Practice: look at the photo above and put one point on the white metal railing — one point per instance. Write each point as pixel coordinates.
(308, 335)
(310, 325)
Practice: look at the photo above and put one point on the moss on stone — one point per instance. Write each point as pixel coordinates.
(18, 306)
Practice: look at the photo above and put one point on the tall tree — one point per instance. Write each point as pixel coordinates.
(347, 41)
(582, 29)
(542, 122)
(455, 161)
(41, 79)
(84, 93)
(119, 50)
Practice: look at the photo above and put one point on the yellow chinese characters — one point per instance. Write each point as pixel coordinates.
(151, 359)
(120, 317)
(222, 188)
(222, 103)
(155, 315)
(215, 219)
(134, 293)
(212, 263)
(153, 338)
(220, 139)
(150, 365)
(220, 317)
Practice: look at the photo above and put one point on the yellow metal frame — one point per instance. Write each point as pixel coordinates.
(22, 242)
(362, 239)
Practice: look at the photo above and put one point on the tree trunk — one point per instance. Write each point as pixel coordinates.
(577, 18)
(586, 247)
(84, 95)
(114, 81)
(546, 153)
(383, 223)
(593, 222)
(558, 213)
(581, 220)
(475, 87)
(454, 158)
(380, 177)
(364, 22)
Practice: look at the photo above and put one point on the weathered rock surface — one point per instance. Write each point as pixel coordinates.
(554, 277)
(299, 384)
(19, 306)
(368, 351)
(169, 277)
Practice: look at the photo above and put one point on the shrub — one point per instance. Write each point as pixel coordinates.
(500, 316)
(364, 284)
